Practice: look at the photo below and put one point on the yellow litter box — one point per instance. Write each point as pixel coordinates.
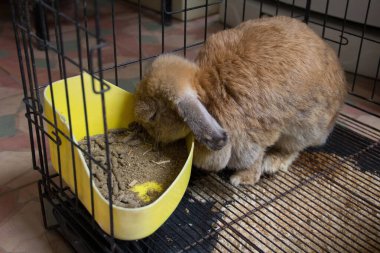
(129, 223)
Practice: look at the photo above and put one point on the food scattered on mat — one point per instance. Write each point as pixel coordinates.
(141, 169)
(324, 204)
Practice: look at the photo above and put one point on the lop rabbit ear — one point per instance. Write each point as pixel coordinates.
(205, 128)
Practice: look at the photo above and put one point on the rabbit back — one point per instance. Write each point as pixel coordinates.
(271, 77)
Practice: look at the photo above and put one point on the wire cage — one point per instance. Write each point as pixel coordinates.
(328, 202)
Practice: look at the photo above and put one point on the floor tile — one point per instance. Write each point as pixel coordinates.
(41, 63)
(152, 26)
(22, 122)
(8, 203)
(6, 92)
(3, 53)
(7, 125)
(129, 84)
(149, 39)
(57, 243)
(11, 65)
(21, 225)
(24, 225)
(18, 142)
(38, 244)
(14, 164)
(26, 178)
(10, 105)
(27, 193)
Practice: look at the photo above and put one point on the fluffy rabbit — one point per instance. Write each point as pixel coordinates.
(256, 96)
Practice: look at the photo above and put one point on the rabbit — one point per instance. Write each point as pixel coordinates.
(255, 96)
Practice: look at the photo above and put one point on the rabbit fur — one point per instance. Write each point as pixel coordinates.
(256, 96)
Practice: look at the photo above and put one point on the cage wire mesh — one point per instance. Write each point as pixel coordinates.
(327, 202)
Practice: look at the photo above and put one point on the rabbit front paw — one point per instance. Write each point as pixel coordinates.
(278, 161)
(245, 177)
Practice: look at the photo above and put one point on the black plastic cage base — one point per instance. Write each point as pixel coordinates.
(327, 202)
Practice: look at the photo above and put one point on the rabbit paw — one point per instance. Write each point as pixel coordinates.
(275, 162)
(246, 177)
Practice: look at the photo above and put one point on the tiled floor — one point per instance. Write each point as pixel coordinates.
(21, 228)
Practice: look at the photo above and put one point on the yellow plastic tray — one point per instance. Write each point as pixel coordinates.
(129, 223)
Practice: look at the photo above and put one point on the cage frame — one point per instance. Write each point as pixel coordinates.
(83, 232)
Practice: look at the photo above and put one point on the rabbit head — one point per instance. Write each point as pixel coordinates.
(168, 106)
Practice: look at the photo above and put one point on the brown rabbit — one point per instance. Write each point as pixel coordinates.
(256, 96)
